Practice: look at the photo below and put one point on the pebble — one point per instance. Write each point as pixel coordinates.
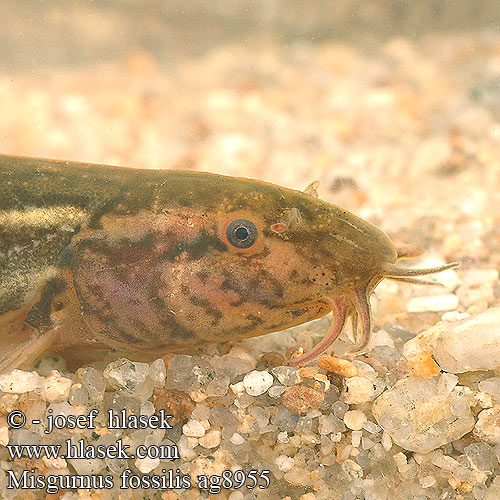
(482, 456)
(188, 373)
(300, 399)
(427, 481)
(490, 386)
(433, 303)
(276, 391)
(147, 464)
(257, 382)
(341, 367)
(211, 439)
(352, 469)
(56, 387)
(237, 439)
(286, 375)
(472, 344)
(418, 414)
(93, 381)
(354, 419)
(329, 424)
(4, 432)
(126, 374)
(175, 403)
(19, 382)
(423, 366)
(284, 463)
(487, 427)
(158, 372)
(232, 366)
(193, 428)
(358, 390)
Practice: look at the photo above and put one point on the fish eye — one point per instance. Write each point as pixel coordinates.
(241, 233)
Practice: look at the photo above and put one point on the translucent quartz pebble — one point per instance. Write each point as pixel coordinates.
(158, 372)
(78, 395)
(330, 424)
(482, 456)
(231, 366)
(491, 386)
(286, 375)
(470, 345)
(94, 382)
(127, 374)
(218, 386)
(418, 414)
(488, 425)
(188, 373)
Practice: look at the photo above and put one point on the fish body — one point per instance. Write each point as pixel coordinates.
(146, 262)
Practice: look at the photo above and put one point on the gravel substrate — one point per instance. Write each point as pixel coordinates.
(408, 138)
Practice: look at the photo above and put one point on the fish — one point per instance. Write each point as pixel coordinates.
(148, 262)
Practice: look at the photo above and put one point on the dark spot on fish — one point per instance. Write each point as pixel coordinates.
(39, 315)
(195, 249)
(130, 338)
(203, 276)
(255, 320)
(205, 304)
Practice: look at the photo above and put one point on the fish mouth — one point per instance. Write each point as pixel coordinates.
(356, 307)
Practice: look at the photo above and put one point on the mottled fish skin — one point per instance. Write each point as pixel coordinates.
(138, 260)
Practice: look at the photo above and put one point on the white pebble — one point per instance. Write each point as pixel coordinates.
(19, 381)
(470, 345)
(453, 316)
(354, 419)
(434, 303)
(356, 438)
(56, 387)
(211, 439)
(237, 388)
(146, 465)
(237, 439)
(358, 390)
(257, 382)
(386, 441)
(283, 437)
(284, 463)
(193, 428)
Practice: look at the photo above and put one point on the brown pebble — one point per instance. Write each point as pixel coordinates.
(338, 366)
(300, 399)
(308, 372)
(174, 402)
(271, 359)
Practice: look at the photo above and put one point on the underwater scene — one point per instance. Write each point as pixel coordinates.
(250, 250)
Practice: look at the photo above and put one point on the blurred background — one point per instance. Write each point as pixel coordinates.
(393, 105)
